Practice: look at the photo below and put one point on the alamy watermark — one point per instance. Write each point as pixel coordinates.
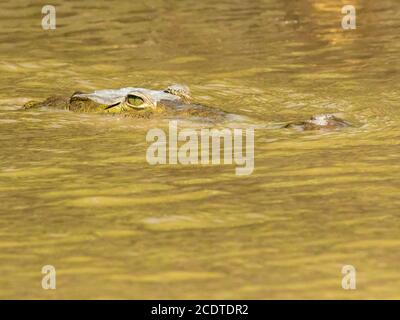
(49, 18)
(49, 280)
(349, 279)
(349, 20)
(165, 148)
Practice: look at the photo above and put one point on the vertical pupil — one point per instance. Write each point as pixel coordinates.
(135, 100)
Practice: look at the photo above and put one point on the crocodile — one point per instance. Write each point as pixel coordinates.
(173, 102)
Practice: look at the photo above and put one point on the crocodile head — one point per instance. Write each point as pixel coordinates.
(129, 99)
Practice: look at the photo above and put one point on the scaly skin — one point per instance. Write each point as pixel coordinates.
(175, 101)
(319, 122)
(53, 102)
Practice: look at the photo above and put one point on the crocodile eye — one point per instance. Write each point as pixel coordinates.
(135, 100)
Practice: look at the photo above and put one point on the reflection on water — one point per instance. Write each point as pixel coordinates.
(77, 192)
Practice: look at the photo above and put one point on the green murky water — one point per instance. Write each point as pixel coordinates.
(76, 191)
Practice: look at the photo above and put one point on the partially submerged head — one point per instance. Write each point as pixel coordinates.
(129, 99)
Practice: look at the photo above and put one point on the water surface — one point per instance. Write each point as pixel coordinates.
(76, 191)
